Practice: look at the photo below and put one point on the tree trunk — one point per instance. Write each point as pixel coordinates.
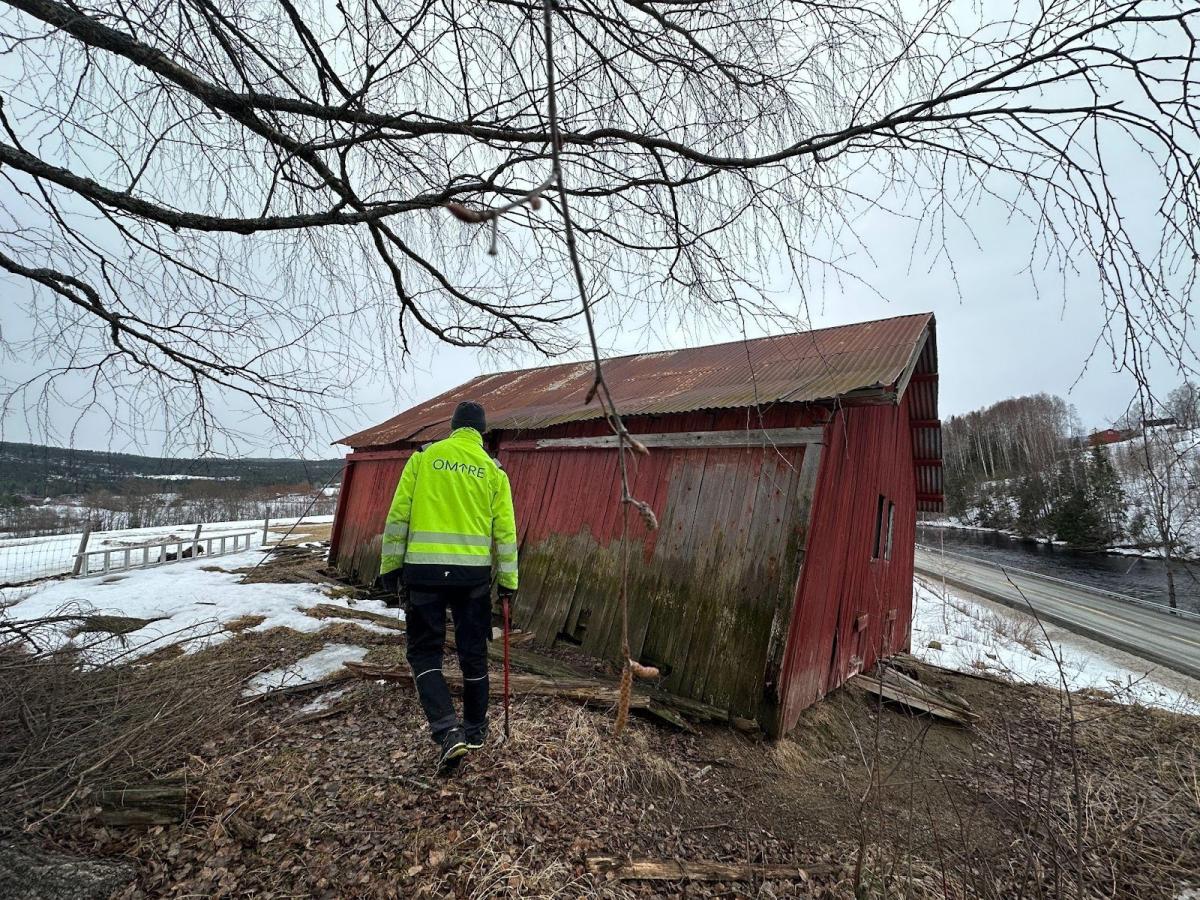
(1171, 601)
(31, 872)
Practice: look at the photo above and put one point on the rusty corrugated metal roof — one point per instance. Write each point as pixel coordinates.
(800, 367)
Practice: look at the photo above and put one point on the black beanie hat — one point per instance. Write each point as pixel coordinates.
(469, 415)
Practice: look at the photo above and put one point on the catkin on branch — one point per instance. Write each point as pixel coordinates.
(466, 214)
(641, 671)
(647, 514)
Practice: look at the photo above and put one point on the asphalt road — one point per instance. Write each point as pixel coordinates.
(1151, 633)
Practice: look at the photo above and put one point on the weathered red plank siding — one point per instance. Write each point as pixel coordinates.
(368, 484)
(705, 589)
(711, 587)
(868, 452)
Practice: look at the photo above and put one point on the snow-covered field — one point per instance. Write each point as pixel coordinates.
(25, 559)
(974, 635)
(185, 602)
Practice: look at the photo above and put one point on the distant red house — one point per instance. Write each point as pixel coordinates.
(786, 474)
(1107, 436)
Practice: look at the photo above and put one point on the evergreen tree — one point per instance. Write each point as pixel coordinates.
(1107, 495)
(994, 510)
(1033, 497)
(1077, 519)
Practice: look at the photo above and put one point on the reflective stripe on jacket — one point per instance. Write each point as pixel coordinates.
(452, 506)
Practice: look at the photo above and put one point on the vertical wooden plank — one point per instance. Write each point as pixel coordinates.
(800, 510)
(342, 512)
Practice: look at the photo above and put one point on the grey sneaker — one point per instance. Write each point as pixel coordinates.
(454, 748)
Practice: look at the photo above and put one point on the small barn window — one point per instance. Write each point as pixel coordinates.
(891, 525)
(879, 536)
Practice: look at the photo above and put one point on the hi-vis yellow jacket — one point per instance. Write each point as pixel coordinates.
(452, 503)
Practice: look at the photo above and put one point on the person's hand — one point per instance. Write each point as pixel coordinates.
(504, 593)
(390, 582)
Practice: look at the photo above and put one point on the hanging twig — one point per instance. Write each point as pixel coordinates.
(599, 388)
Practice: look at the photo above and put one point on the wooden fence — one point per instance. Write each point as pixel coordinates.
(158, 552)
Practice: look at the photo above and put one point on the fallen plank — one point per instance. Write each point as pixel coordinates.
(700, 870)
(335, 709)
(539, 685)
(896, 687)
(589, 692)
(531, 661)
(304, 688)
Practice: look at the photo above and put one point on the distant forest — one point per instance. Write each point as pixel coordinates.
(1026, 465)
(35, 471)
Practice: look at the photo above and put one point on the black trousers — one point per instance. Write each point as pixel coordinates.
(425, 621)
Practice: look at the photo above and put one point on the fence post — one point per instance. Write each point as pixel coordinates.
(196, 541)
(83, 542)
(266, 523)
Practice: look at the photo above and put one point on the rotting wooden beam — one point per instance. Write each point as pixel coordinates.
(306, 687)
(331, 611)
(682, 440)
(153, 803)
(532, 661)
(582, 690)
(701, 870)
(678, 712)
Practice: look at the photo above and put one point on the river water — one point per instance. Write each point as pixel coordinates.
(1145, 578)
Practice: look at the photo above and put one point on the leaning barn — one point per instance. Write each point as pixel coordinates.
(786, 474)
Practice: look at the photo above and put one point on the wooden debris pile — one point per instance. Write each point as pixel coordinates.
(555, 681)
(159, 802)
(893, 686)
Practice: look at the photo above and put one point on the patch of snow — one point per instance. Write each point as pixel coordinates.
(314, 667)
(323, 701)
(660, 354)
(974, 635)
(569, 375)
(191, 600)
(178, 477)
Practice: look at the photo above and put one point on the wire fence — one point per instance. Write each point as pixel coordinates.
(77, 541)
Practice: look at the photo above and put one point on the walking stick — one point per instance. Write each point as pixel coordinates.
(507, 733)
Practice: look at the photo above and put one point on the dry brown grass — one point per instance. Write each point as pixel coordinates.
(244, 623)
(347, 806)
(302, 534)
(68, 728)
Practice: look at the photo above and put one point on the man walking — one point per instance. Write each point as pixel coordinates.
(452, 504)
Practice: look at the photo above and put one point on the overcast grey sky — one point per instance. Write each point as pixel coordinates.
(997, 337)
(1002, 332)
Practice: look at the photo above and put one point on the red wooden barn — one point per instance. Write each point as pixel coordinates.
(786, 473)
